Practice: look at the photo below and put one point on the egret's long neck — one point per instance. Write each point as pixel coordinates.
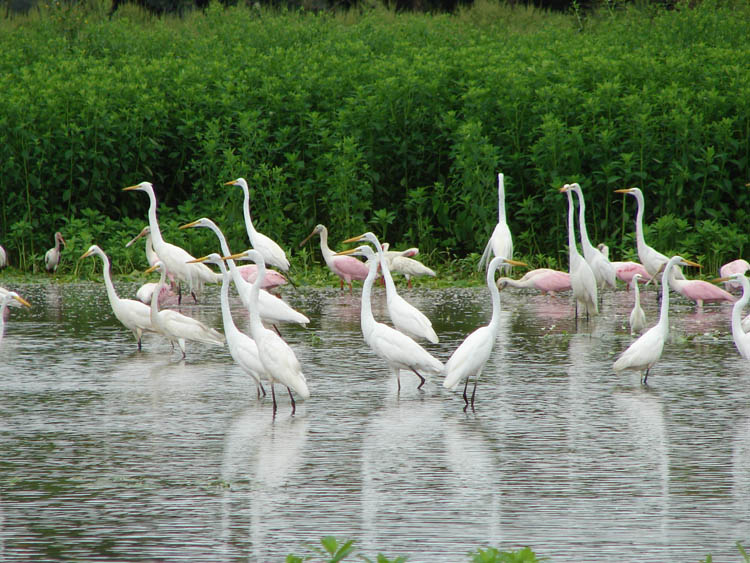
(256, 326)
(3, 310)
(236, 276)
(324, 249)
(367, 320)
(572, 250)
(157, 292)
(664, 313)
(637, 292)
(390, 287)
(246, 210)
(582, 222)
(495, 294)
(639, 238)
(151, 256)
(153, 223)
(740, 305)
(226, 313)
(113, 298)
(500, 199)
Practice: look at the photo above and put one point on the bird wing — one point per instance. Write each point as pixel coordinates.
(410, 266)
(182, 326)
(401, 351)
(281, 363)
(349, 267)
(410, 320)
(552, 280)
(133, 314)
(469, 357)
(642, 353)
(273, 310)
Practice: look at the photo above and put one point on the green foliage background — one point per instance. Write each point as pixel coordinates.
(372, 120)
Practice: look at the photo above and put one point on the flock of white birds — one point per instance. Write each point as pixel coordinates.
(265, 356)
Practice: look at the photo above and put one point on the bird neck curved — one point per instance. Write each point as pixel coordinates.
(246, 211)
(585, 242)
(390, 287)
(640, 240)
(495, 295)
(664, 313)
(106, 267)
(151, 256)
(739, 305)
(226, 313)
(153, 222)
(157, 291)
(367, 320)
(572, 250)
(255, 323)
(324, 249)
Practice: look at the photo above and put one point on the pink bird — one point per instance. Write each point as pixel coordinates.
(347, 268)
(272, 280)
(545, 280)
(739, 266)
(167, 297)
(700, 291)
(625, 271)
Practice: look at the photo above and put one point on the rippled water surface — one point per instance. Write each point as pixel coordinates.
(111, 453)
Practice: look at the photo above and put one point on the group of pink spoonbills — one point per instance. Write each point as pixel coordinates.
(265, 355)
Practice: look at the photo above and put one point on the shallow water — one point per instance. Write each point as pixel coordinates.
(111, 453)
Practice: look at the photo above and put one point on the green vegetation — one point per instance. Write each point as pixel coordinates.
(372, 120)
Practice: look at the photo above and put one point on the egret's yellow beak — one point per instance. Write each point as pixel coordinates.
(197, 260)
(151, 269)
(354, 239)
(691, 263)
(721, 280)
(624, 191)
(130, 188)
(22, 301)
(234, 256)
(188, 225)
(514, 262)
(86, 254)
(231, 183)
(350, 251)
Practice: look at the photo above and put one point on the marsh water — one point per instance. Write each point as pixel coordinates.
(110, 453)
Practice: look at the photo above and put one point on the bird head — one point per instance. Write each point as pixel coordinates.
(147, 187)
(316, 231)
(13, 295)
(93, 249)
(144, 232)
(202, 222)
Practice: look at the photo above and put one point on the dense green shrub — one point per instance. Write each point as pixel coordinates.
(376, 121)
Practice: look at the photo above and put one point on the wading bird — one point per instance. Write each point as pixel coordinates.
(642, 354)
(604, 271)
(278, 358)
(405, 316)
(545, 280)
(624, 270)
(176, 327)
(167, 297)
(272, 253)
(347, 268)
(174, 260)
(243, 349)
(401, 262)
(272, 309)
(134, 315)
(582, 279)
(501, 241)
(699, 291)
(637, 316)
(738, 266)
(5, 300)
(472, 355)
(11, 303)
(739, 334)
(52, 256)
(397, 349)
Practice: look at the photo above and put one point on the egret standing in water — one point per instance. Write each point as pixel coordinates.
(501, 241)
(642, 354)
(582, 279)
(5, 299)
(347, 268)
(472, 355)
(740, 337)
(604, 271)
(637, 316)
(52, 256)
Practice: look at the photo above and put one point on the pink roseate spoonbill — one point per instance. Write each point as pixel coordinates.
(398, 350)
(625, 270)
(739, 333)
(167, 297)
(637, 315)
(279, 360)
(347, 268)
(653, 260)
(134, 315)
(243, 349)
(176, 327)
(5, 301)
(272, 309)
(738, 266)
(603, 270)
(272, 253)
(642, 354)
(700, 291)
(174, 260)
(582, 279)
(546, 280)
(248, 272)
(52, 256)
(3, 258)
(501, 241)
(401, 262)
(472, 355)
(405, 316)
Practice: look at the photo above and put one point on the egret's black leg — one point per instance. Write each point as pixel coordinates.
(294, 405)
(422, 379)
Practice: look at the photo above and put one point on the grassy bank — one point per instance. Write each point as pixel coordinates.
(375, 121)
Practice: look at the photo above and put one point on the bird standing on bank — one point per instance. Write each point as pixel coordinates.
(52, 256)
(347, 268)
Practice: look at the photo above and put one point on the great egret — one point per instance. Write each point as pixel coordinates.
(739, 334)
(604, 271)
(272, 253)
(11, 303)
(624, 270)
(278, 358)
(243, 349)
(472, 355)
(272, 309)
(397, 349)
(5, 300)
(699, 291)
(501, 241)
(134, 315)
(52, 256)
(405, 316)
(652, 259)
(401, 262)
(637, 316)
(3, 258)
(738, 266)
(545, 280)
(176, 260)
(144, 292)
(176, 327)
(347, 268)
(642, 354)
(151, 256)
(582, 279)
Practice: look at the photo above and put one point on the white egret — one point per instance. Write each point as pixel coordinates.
(642, 354)
(243, 349)
(604, 271)
(739, 334)
(6, 299)
(134, 315)
(272, 253)
(176, 327)
(652, 259)
(401, 262)
(637, 315)
(397, 349)
(52, 256)
(3, 258)
(151, 256)
(176, 260)
(472, 355)
(582, 279)
(347, 268)
(501, 241)
(11, 302)
(405, 316)
(278, 358)
(272, 309)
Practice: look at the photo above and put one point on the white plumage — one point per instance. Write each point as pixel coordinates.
(582, 279)
(501, 241)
